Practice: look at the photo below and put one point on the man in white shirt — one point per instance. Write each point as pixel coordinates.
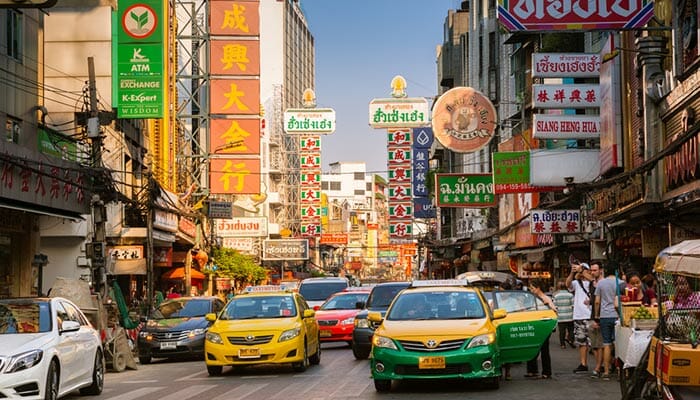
(579, 283)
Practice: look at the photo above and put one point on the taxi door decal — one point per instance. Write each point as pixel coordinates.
(528, 324)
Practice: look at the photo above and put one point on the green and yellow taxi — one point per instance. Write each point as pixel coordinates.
(446, 329)
(264, 325)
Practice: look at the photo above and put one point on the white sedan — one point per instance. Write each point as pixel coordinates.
(48, 348)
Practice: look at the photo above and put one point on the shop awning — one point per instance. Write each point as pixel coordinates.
(179, 273)
(36, 209)
(533, 254)
(135, 266)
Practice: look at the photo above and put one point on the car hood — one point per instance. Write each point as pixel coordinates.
(255, 325)
(447, 329)
(323, 315)
(175, 324)
(11, 344)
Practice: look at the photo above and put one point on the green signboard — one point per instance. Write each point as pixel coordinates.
(56, 144)
(464, 190)
(140, 21)
(140, 81)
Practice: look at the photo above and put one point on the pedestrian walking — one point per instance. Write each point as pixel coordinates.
(594, 333)
(605, 313)
(537, 288)
(564, 300)
(579, 283)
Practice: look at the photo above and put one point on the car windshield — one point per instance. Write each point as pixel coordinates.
(25, 317)
(320, 291)
(382, 296)
(260, 307)
(442, 304)
(183, 308)
(344, 301)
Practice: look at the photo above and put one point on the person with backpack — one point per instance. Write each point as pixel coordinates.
(579, 283)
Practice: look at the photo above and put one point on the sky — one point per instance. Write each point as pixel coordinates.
(360, 46)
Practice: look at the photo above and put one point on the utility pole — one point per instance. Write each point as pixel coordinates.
(97, 248)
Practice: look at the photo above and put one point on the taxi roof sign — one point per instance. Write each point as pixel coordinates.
(439, 282)
(266, 288)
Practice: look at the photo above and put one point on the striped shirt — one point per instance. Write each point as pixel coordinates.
(564, 300)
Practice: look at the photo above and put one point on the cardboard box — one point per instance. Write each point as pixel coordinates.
(676, 364)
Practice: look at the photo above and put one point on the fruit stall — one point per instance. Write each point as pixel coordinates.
(634, 332)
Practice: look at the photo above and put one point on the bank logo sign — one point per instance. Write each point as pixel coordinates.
(140, 84)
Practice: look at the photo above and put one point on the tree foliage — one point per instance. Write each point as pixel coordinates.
(242, 268)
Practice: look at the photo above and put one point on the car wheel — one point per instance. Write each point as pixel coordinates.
(360, 353)
(98, 376)
(145, 360)
(315, 359)
(382, 385)
(119, 362)
(304, 363)
(215, 370)
(51, 389)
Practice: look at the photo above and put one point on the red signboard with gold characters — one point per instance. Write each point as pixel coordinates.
(235, 136)
(235, 57)
(234, 18)
(235, 96)
(234, 176)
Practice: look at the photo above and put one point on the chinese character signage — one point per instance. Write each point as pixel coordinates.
(565, 96)
(555, 221)
(235, 57)
(544, 16)
(464, 120)
(234, 18)
(234, 176)
(464, 190)
(234, 136)
(235, 96)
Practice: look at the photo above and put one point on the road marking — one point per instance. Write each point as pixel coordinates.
(188, 377)
(188, 392)
(241, 391)
(259, 376)
(143, 381)
(296, 389)
(137, 393)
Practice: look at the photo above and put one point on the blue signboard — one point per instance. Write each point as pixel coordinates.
(423, 208)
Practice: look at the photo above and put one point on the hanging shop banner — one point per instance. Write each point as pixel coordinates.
(511, 173)
(234, 136)
(234, 176)
(566, 126)
(543, 16)
(571, 65)
(464, 190)
(309, 120)
(565, 96)
(399, 113)
(334, 238)
(555, 221)
(235, 57)
(235, 96)
(234, 18)
(464, 120)
(285, 249)
(610, 120)
(241, 227)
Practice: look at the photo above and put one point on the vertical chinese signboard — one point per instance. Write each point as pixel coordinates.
(309, 123)
(140, 87)
(422, 141)
(234, 95)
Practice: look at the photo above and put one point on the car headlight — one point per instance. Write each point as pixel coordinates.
(24, 361)
(361, 323)
(214, 338)
(482, 340)
(348, 321)
(382, 341)
(143, 334)
(196, 332)
(289, 334)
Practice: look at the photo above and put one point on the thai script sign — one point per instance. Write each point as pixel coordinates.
(220, 209)
(464, 190)
(464, 120)
(574, 65)
(555, 221)
(285, 249)
(565, 96)
(242, 227)
(399, 113)
(309, 120)
(528, 15)
(334, 238)
(547, 126)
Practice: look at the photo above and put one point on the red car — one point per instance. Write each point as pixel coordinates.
(336, 317)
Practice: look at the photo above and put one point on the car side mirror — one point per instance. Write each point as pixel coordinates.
(499, 313)
(211, 317)
(374, 316)
(360, 305)
(309, 313)
(69, 326)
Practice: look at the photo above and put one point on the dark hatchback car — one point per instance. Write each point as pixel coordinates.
(379, 299)
(177, 328)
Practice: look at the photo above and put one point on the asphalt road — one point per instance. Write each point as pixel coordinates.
(340, 376)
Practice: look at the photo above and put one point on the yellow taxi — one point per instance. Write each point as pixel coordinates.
(446, 329)
(264, 325)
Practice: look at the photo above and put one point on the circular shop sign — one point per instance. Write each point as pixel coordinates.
(139, 21)
(464, 120)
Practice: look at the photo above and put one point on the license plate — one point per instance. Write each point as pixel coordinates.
(249, 353)
(168, 346)
(431, 363)
(325, 333)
